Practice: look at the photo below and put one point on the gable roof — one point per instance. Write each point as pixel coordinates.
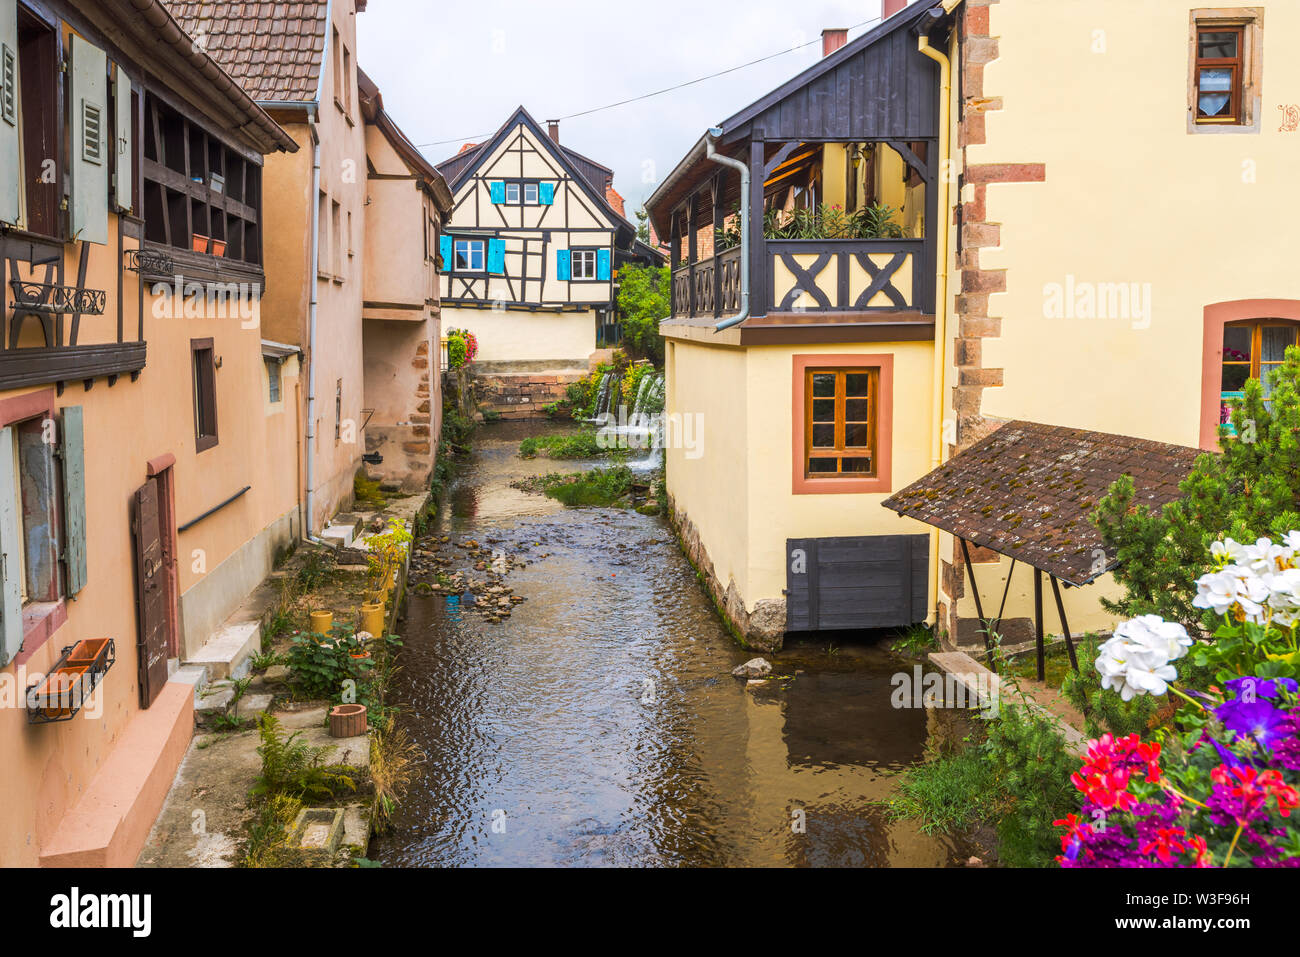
(459, 167)
(373, 112)
(1027, 492)
(274, 49)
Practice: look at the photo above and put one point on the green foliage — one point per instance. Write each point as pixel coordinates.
(268, 840)
(314, 570)
(457, 428)
(914, 640)
(320, 665)
(292, 768)
(643, 225)
(1032, 769)
(832, 222)
(576, 445)
(600, 487)
(952, 793)
(643, 302)
(1250, 490)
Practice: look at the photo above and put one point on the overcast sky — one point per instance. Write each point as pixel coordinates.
(455, 71)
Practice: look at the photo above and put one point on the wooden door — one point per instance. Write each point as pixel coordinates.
(151, 592)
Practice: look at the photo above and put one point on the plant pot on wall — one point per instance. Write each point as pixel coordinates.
(347, 720)
(199, 243)
(218, 247)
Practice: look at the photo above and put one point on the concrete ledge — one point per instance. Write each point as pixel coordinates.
(109, 826)
(226, 654)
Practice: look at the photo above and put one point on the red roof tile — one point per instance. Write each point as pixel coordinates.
(274, 49)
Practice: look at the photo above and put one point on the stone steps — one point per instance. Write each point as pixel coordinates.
(228, 652)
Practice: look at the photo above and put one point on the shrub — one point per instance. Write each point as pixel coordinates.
(292, 768)
(643, 302)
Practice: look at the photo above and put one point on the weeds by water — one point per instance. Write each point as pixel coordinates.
(583, 444)
(914, 641)
(291, 767)
(600, 487)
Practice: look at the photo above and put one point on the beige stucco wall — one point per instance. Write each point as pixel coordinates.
(564, 339)
(1130, 197)
(738, 489)
(49, 767)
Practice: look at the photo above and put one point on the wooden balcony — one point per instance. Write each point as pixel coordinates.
(710, 287)
(849, 275)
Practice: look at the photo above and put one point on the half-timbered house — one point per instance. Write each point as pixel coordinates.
(147, 466)
(530, 255)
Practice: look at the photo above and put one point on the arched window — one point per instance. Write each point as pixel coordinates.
(1243, 339)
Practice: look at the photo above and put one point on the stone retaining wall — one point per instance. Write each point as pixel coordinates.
(521, 395)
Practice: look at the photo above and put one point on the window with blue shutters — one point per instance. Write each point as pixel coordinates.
(602, 264)
(496, 256)
(561, 264)
(498, 188)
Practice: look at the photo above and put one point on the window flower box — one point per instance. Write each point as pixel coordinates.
(199, 243)
(59, 695)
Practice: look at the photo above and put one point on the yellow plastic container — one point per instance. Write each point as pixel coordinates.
(322, 622)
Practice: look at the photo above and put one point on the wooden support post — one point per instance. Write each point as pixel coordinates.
(1006, 589)
(1065, 625)
(719, 215)
(1038, 624)
(979, 606)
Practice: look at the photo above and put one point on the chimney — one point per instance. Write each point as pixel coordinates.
(890, 7)
(833, 39)
(553, 128)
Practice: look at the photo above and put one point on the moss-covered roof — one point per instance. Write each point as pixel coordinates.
(1027, 491)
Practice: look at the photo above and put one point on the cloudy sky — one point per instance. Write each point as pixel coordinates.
(454, 71)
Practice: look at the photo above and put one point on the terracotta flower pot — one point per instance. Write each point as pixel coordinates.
(199, 243)
(90, 652)
(347, 720)
(218, 247)
(58, 689)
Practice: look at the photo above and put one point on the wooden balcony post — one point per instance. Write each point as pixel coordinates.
(719, 214)
(757, 245)
(692, 245)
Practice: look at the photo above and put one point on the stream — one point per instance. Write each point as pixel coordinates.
(599, 723)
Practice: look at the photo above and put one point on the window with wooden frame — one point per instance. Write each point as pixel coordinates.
(34, 109)
(840, 430)
(1224, 83)
(205, 393)
(1252, 350)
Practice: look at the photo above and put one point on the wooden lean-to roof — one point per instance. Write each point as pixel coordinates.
(274, 49)
(1027, 492)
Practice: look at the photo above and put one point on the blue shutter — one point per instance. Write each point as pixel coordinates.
(561, 264)
(444, 250)
(11, 564)
(546, 193)
(74, 498)
(496, 255)
(602, 263)
(498, 188)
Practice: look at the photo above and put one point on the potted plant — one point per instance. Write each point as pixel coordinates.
(218, 247)
(199, 243)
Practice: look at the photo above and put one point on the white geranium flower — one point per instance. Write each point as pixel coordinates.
(1226, 552)
(1292, 541)
(1136, 659)
(1234, 587)
(1158, 639)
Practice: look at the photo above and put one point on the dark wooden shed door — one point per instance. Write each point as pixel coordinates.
(867, 581)
(151, 591)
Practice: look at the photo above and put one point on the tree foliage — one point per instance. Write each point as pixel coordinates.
(1250, 489)
(643, 302)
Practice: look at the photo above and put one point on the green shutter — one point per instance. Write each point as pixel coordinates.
(561, 264)
(122, 146)
(74, 499)
(11, 566)
(88, 114)
(10, 207)
(498, 188)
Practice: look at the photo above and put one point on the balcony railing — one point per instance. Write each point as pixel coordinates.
(710, 287)
(848, 275)
(814, 275)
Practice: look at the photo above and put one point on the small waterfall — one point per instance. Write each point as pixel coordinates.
(603, 394)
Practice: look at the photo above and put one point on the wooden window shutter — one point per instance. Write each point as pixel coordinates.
(546, 193)
(10, 178)
(444, 250)
(11, 566)
(73, 454)
(602, 263)
(123, 145)
(89, 171)
(496, 256)
(498, 189)
(562, 264)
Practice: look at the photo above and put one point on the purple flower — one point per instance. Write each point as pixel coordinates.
(1255, 719)
(1250, 689)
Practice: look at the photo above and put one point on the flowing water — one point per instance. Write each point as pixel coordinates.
(600, 724)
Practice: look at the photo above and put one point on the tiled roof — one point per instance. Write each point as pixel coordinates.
(1027, 492)
(274, 50)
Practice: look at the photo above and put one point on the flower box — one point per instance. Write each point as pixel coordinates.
(218, 247)
(91, 652)
(199, 243)
(72, 679)
(61, 694)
